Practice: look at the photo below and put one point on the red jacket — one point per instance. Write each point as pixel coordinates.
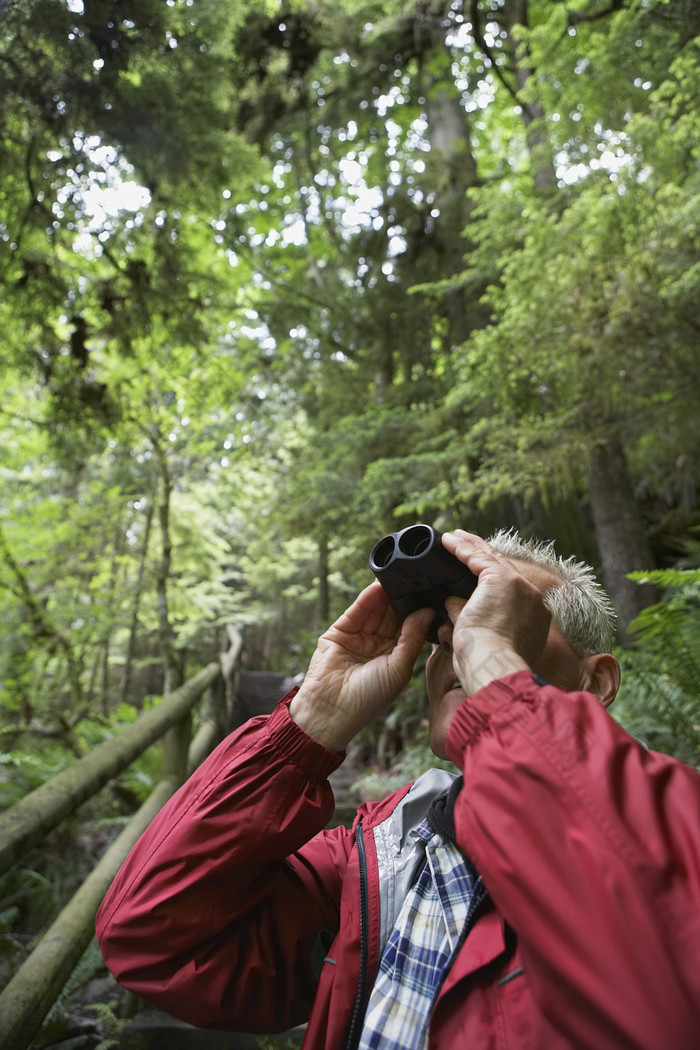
(235, 899)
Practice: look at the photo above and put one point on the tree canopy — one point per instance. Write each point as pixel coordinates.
(278, 277)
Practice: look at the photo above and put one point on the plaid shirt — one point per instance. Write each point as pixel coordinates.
(430, 927)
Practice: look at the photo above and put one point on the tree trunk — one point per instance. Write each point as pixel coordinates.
(171, 665)
(452, 172)
(106, 641)
(516, 15)
(324, 602)
(619, 530)
(133, 629)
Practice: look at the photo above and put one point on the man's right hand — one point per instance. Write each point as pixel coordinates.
(360, 665)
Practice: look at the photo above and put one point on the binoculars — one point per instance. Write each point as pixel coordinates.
(417, 572)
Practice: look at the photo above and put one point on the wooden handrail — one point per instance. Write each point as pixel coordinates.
(25, 1001)
(28, 997)
(30, 819)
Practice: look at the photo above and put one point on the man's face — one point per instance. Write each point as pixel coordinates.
(558, 663)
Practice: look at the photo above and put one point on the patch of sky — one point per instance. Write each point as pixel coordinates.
(101, 190)
(615, 155)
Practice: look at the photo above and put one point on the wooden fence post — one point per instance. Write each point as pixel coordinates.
(230, 672)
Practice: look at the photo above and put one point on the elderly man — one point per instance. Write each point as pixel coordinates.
(547, 898)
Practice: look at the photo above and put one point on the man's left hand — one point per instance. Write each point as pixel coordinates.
(503, 627)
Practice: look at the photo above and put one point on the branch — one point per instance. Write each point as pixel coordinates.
(575, 18)
(64, 733)
(23, 591)
(40, 622)
(481, 41)
(292, 293)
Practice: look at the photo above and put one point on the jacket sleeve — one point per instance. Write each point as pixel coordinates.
(217, 910)
(588, 844)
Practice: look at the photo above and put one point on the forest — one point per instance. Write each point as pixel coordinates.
(278, 277)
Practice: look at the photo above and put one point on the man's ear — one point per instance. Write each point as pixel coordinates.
(603, 677)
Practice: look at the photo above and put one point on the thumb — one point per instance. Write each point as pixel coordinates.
(414, 630)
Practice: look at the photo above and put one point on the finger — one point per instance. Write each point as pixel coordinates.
(454, 606)
(471, 549)
(384, 622)
(467, 541)
(410, 642)
(461, 535)
(417, 624)
(370, 613)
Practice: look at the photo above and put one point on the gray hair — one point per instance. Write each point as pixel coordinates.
(579, 605)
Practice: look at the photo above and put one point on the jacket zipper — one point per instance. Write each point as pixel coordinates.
(358, 1008)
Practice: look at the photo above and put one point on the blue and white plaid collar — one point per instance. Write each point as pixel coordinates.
(430, 927)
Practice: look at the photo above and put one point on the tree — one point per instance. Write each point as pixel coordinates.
(582, 353)
(114, 291)
(292, 293)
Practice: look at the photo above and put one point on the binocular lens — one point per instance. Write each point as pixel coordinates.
(383, 552)
(415, 541)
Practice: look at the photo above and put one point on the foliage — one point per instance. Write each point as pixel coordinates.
(659, 699)
(266, 340)
(110, 1024)
(376, 783)
(98, 1019)
(585, 339)
(284, 1042)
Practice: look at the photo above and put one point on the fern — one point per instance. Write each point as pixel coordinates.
(660, 696)
(8, 917)
(667, 578)
(110, 1025)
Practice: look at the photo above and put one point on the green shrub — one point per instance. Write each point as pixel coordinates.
(659, 699)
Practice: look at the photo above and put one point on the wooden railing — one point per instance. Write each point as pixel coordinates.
(29, 995)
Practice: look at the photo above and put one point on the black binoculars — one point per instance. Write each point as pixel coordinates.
(417, 572)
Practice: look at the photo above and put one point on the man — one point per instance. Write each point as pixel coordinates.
(549, 899)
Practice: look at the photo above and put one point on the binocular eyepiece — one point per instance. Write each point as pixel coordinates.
(417, 572)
